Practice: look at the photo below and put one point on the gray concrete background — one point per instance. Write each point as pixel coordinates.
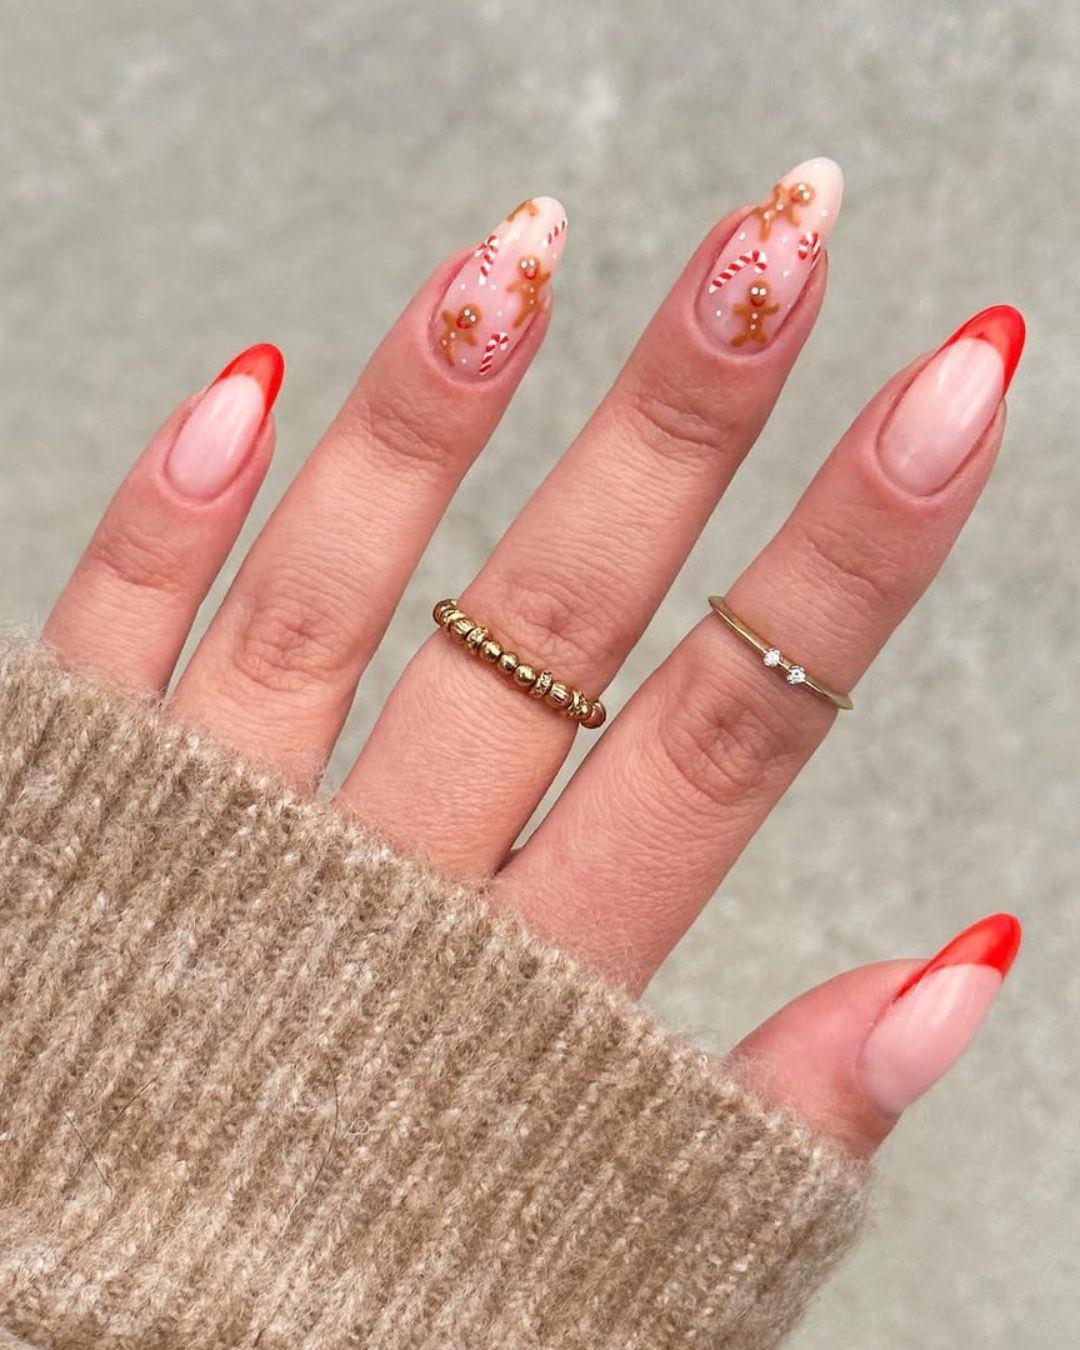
(183, 179)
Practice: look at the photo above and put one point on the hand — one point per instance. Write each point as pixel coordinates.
(460, 758)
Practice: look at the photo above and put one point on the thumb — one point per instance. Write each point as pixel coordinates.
(852, 1054)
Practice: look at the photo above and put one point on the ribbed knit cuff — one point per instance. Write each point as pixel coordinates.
(263, 1083)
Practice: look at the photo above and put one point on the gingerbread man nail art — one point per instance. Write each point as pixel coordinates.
(784, 205)
(499, 290)
(459, 325)
(754, 314)
(528, 206)
(752, 287)
(531, 279)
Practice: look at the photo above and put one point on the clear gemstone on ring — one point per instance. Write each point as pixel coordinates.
(772, 657)
(796, 675)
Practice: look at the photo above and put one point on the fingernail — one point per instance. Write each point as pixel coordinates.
(935, 1015)
(488, 307)
(951, 401)
(756, 280)
(221, 431)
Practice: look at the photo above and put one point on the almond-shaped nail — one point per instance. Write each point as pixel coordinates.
(936, 1014)
(760, 274)
(220, 433)
(489, 305)
(950, 403)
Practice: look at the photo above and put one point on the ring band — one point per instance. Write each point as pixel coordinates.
(537, 683)
(775, 659)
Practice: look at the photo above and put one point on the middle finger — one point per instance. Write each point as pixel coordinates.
(577, 577)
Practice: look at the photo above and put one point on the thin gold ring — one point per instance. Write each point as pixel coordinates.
(530, 679)
(774, 658)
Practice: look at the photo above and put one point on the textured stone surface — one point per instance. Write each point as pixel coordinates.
(181, 180)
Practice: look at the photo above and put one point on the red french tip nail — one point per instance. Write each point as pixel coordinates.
(993, 941)
(265, 364)
(1001, 326)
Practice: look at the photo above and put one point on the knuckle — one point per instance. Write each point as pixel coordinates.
(406, 428)
(137, 558)
(853, 566)
(717, 745)
(678, 423)
(287, 642)
(556, 614)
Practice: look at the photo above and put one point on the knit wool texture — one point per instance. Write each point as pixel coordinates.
(264, 1083)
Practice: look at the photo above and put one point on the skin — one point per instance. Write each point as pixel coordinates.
(687, 771)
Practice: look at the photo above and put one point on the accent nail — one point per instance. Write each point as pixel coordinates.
(756, 280)
(950, 403)
(488, 307)
(935, 1015)
(215, 441)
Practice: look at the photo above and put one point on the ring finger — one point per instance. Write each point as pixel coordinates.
(578, 575)
(656, 815)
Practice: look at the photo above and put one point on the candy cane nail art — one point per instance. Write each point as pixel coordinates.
(755, 282)
(487, 253)
(489, 305)
(756, 258)
(497, 342)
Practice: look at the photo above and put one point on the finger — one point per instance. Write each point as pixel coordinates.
(647, 829)
(852, 1054)
(577, 577)
(128, 608)
(276, 672)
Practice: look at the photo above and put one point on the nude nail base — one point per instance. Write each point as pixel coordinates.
(948, 406)
(214, 443)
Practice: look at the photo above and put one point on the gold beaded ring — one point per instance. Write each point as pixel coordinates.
(539, 684)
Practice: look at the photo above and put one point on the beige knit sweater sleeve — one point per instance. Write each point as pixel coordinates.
(265, 1084)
